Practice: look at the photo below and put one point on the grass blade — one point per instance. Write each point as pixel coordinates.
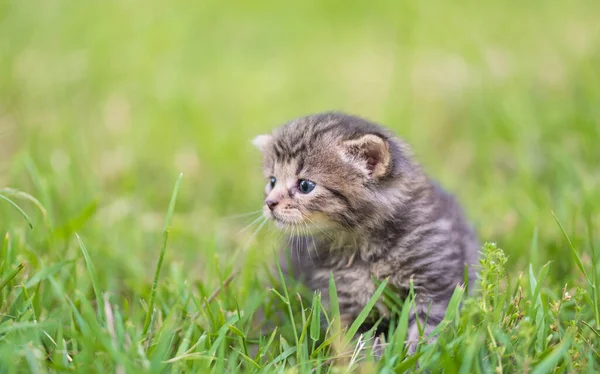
(28, 197)
(362, 316)
(248, 359)
(573, 250)
(402, 329)
(288, 303)
(595, 268)
(596, 332)
(315, 325)
(408, 363)
(334, 305)
(549, 362)
(327, 342)
(10, 276)
(221, 335)
(161, 257)
(283, 356)
(18, 208)
(92, 270)
(47, 272)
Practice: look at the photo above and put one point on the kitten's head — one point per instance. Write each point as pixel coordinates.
(333, 171)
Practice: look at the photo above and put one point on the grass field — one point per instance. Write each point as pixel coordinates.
(104, 103)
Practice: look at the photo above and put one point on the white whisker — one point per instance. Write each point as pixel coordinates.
(297, 240)
(254, 235)
(250, 224)
(289, 241)
(313, 240)
(317, 226)
(307, 239)
(242, 215)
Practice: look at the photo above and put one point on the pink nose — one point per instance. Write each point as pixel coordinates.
(271, 204)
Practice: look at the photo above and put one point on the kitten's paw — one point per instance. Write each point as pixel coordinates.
(414, 336)
(378, 347)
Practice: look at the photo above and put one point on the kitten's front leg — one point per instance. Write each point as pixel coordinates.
(354, 289)
(427, 316)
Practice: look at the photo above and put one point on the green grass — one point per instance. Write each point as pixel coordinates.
(104, 104)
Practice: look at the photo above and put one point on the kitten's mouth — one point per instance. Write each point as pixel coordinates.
(312, 222)
(284, 221)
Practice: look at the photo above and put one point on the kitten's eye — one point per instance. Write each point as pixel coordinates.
(305, 186)
(272, 181)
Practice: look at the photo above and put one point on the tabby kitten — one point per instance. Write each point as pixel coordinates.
(371, 212)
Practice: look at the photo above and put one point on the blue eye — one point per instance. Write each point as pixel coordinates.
(272, 181)
(306, 186)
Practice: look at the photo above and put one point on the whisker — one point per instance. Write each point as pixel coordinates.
(272, 228)
(313, 240)
(250, 224)
(244, 248)
(293, 236)
(289, 241)
(301, 237)
(281, 233)
(307, 239)
(242, 215)
(324, 233)
(254, 234)
(297, 240)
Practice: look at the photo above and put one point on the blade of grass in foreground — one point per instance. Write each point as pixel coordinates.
(334, 305)
(365, 312)
(573, 250)
(18, 208)
(161, 257)
(552, 359)
(10, 277)
(596, 332)
(402, 328)
(287, 301)
(93, 274)
(28, 197)
(595, 269)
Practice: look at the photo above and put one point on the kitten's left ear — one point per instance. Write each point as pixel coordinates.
(262, 141)
(370, 153)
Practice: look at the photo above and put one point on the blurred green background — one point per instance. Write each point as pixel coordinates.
(104, 103)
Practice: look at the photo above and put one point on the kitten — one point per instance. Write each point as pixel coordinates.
(371, 212)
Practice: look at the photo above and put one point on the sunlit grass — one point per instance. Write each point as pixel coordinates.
(103, 105)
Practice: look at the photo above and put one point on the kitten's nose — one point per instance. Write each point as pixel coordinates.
(271, 204)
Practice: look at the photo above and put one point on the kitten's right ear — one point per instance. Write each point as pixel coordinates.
(262, 141)
(370, 153)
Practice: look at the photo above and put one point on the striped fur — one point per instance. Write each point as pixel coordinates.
(374, 213)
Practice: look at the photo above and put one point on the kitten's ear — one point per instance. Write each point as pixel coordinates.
(262, 141)
(371, 153)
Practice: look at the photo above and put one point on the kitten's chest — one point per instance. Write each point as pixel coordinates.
(360, 255)
(360, 250)
(354, 255)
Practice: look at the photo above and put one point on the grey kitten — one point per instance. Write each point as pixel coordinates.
(371, 212)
